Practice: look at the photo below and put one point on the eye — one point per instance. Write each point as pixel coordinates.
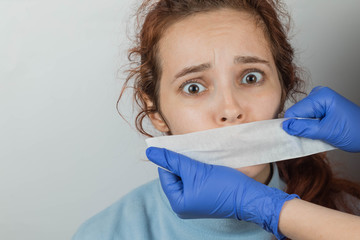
(193, 88)
(252, 77)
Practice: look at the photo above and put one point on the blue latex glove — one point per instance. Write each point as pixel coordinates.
(338, 123)
(199, 190)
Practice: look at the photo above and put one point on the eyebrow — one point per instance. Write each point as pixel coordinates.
(193, 69)
(250, 59)
(205, 66)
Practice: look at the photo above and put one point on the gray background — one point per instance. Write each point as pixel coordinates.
(65, 153)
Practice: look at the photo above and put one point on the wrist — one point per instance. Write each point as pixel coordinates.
(264, 208)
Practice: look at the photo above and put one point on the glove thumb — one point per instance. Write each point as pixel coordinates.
(308, 128)
(169, 160)
(309, 107)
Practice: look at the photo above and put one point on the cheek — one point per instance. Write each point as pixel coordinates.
(183, 118)
(265, 105)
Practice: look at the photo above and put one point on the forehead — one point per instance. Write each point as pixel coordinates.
(228, 31)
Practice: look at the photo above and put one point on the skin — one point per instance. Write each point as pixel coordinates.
(304, 220)
(226, 93)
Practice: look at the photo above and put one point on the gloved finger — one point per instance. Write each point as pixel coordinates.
(308, 128)
(172, 186)
(167, 159)
(315, 90)
(306, 108)
(170, 181)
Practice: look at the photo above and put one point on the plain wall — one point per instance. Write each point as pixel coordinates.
(65, 153)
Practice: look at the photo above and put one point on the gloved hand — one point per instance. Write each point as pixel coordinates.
(199, 190)
(338, 123)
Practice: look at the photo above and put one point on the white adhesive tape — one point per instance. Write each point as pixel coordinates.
(241, 145)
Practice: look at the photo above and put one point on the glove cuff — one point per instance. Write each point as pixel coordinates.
(273, 227)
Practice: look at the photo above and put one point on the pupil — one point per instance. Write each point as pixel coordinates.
(251, 78)
(193, 88)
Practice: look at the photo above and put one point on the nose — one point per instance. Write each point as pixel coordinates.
(229, 111)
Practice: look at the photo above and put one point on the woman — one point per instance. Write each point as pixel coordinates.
(208, 64)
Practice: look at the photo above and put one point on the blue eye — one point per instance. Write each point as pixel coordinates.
(193, 88)
(252, 77)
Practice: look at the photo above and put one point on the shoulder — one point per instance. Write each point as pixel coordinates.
(128, 213)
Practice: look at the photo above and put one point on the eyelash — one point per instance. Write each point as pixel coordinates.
(243, 74)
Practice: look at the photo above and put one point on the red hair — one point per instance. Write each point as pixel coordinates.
(310, 177)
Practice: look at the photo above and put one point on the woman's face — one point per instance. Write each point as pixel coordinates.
(217, 71)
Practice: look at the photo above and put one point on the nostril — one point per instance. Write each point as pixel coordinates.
(238, 117)
(223, 119)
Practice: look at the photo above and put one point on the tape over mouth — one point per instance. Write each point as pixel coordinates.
(241, 145)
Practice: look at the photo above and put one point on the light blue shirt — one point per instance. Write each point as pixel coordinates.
(145, 213)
